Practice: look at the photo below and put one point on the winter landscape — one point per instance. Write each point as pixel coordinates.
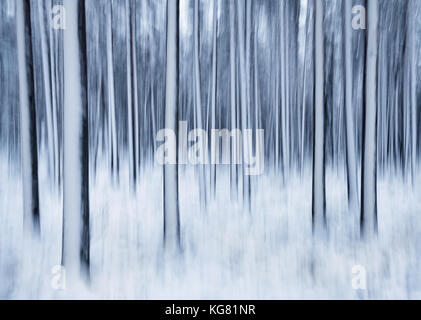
(210, 149)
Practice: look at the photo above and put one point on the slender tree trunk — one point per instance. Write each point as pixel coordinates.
(28, 128)
(153, 107)
(286, 114)
(130, 101)
(75, 254)
(171, 207)
(111, 94)
(198, 102)
(257, 116)
(406, 86)
(283, 85)
(234, 155)
(303, 115)
(243, 96)
(277, 128)
(47, 91)
(319, 202)
(136, 129)
(369, 167)
(214, 97)
(413, 90)
(54, 101)
(247, 140)
(351, 161)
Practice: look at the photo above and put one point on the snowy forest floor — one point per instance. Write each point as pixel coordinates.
(226, 253)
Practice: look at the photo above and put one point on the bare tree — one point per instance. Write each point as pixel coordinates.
(76, 238)
(243, 93)
(112, 130)
(351, 160)
(214, 96)
(132, 101)
(198, 101)
(319, 194)
(28, 126)
(233, 168)
(171, 207)
(412, 30)
(369, 152)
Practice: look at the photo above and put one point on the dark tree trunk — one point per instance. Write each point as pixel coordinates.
(28, 117)
(85, 245)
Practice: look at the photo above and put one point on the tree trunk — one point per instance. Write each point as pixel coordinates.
(130, 101)
(171, 207)
(54, 101)
(351, 161)
(319, 202)
(27, 117)
(47, 91)
(213, 98)
(413, 90)
(198, 102)
(303, 114)
(111, 95)
(244, 100)
(75, 254)
(234, 155)
(136, 129)
(369, 172)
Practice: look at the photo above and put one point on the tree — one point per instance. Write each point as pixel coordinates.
(51, 140)
(234, 155)
(412, 30)
(214, 97)
(198, 101)
(304, 98)
(351, 161)
(319, 200)
(76, 247)
(369, 152)
(285, 137)
(136, 130)
(244, 94)
(112, 131)
(132, 101)
(171, 207)
(28, 126)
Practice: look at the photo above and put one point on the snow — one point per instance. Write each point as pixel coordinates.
(226, 253)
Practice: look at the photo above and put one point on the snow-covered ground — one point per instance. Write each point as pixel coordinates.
(227, 253)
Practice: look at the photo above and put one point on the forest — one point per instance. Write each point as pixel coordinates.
(196, 149)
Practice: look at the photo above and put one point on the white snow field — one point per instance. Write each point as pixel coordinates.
(227, 254)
